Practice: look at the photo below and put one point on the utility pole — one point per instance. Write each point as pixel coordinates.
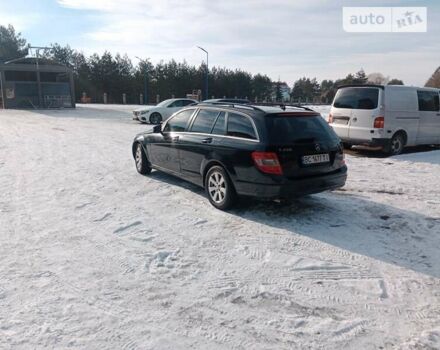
(207, 72)
(40, 91)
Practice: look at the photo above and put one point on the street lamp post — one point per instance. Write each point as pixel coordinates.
(207, 72)
(145, 79)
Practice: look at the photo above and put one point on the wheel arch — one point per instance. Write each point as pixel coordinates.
(134, 145)
(404, 134)
(208, 164)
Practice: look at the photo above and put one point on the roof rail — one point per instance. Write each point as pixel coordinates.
(283, 106)
(255, 106)
(230, 104)
(361, 85)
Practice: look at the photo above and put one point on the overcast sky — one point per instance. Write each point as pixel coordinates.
(281, 38)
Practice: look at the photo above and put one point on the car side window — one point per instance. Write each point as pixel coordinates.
(429, 101)
(240, 126)
(204, 121)
(179, 121)
(187, 102)
(220, 125)
(178, 103)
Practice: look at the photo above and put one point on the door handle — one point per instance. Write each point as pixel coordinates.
(438, 114)
(207, 140)
(175, 138)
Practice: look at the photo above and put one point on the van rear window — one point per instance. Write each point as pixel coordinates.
(284, 130)
(357, 98)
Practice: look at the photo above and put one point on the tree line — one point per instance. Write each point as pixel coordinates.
(116, 75)
(306, 89)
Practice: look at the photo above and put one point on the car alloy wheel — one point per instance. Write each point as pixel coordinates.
(217, 187)
(138, 157)
(155, 118)
(142, 165)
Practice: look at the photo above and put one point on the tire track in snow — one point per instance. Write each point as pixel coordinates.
(124, 228)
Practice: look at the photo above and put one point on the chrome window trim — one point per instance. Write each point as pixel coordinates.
(196, 111)
(216, 135)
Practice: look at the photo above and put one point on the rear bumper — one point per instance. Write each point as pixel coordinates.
(294, 188)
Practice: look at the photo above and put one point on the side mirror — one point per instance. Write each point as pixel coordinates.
(157, 128)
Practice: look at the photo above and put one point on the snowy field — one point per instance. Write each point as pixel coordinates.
(96, 256)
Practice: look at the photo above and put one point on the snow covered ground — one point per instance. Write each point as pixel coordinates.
(95, 256)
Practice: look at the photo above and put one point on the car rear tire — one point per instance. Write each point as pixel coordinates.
(396, 145)
(219, 188)
(141, 161)
(155, 118)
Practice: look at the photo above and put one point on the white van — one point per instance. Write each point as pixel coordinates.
(390, 117)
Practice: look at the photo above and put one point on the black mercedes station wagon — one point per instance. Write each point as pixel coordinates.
(271, 152)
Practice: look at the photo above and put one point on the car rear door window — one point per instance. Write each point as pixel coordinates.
(179, 121)
(357, 98)
(220, 125)
(204, 121)
(428, 101)
(240, 126)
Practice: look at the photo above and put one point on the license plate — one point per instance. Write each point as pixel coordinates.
(316, 159)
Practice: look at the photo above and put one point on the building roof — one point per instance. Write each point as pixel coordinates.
(33, 60)
(30, 64)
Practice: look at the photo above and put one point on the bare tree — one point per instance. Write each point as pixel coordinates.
(378, 78)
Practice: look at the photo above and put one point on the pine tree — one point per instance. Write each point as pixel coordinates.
(12, 45)
(278, 93)
(360, 77)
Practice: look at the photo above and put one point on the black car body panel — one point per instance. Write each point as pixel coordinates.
(189, 155)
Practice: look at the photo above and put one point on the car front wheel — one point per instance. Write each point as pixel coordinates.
(219, 188)
(142, 165)
(155, 118)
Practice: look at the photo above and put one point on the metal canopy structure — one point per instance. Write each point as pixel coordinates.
(36, 83)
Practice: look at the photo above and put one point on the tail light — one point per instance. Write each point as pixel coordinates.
(379, 122)
(340, 156)
(342, 159)
(267, 162)
(330, 118)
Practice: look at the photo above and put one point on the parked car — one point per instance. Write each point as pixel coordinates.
(245, 150)
(162, 111)
(228, 100)
(388, 117)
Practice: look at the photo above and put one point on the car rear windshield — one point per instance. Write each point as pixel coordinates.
(283, 130)
(357, 98)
